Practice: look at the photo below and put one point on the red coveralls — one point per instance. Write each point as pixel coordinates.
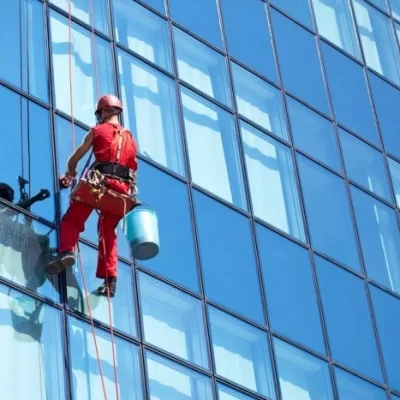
(105, 145)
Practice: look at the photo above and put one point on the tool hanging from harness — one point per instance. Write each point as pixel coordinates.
(93, 188)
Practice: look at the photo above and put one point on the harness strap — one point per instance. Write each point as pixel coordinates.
(120, 131)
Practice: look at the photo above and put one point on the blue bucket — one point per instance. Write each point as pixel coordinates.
(141, 231)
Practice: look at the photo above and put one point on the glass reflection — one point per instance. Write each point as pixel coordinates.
(90, 78)
(151, 111)
(395, 6)
(351, 387)
(169, 380)
(241, 353)
(227, 393)
(122, 305)
(301, 375)
(210, 131)
(32, 360)
(296, 9)
(277, 202)
(394, 168)
(86, 377)
(172, 320)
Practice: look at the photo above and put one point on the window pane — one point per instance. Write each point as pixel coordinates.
(305, 79)
(395, 6)
(210, 132)
(259, 101)
(381, 53)
(172, 320)
(156, 4)
(394, 397)
(386, 99)
(335, 22)
(289, 287)
(86, 378)
(394, 168)
(202, 67)
(351, 387)
(227, 256)
(151, 107)
(200, 17)
(301, 375)
(227, 393)
(244, 21)
(241, 353)
(267, 160)
(143, 32)
(26, 246)
(177, 258)
(89, 78)
(92, 12)
(328, 213)
(387, 308)
(313, 133)
(169, 380)
(27, 152)
(380, 237)
(379, 3)
(365, 165)
(351, 103)
(32, 360)
(296, 9)
(348, 319)
(23, 44)
(122, 305)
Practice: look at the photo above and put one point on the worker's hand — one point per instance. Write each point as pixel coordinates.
(66, 180)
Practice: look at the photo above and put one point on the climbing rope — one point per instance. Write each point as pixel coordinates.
(101, 236)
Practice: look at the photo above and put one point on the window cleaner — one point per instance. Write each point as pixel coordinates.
(109, 185)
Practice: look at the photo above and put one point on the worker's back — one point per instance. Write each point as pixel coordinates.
(105, 145)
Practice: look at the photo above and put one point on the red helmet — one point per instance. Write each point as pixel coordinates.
(108, 101)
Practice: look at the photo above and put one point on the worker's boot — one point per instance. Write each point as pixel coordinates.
(111, 282)
(62, 261)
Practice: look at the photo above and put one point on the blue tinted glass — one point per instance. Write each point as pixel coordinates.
(313, 133)
(379, 3)
(241, 353)
(394, 168)
(259, 101)
(90, 79)
(289, 287)
(380, 237)
(328, 213)
(296, 9)
(395, 6)
(376, 32)
(122, 305)
(365, 165)
(387, 308)
(169, 380)
(151, 107)
(227, 257)
(301, 75)
(348, 319)
(32, 355)
(335, 23)
(143, 32)
(213, 148)
(202, 67)
(200, 17)
(302, 375)
(177, 258)
(158, 5)
(268, 160)
(22, 40)
(244, 21)
(26, 246)
(351, 387)
(172, 320)
(27, 152)
(351, 103)
(386, 99)
(227, 393)
(394, 397)
(86, 378)
(93, 12)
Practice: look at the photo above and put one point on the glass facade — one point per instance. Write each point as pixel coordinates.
(269, 146)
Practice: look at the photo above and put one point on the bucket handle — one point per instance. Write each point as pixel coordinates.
(146, 205)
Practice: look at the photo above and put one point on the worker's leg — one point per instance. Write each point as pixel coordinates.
(107, 259)
(72, 224)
